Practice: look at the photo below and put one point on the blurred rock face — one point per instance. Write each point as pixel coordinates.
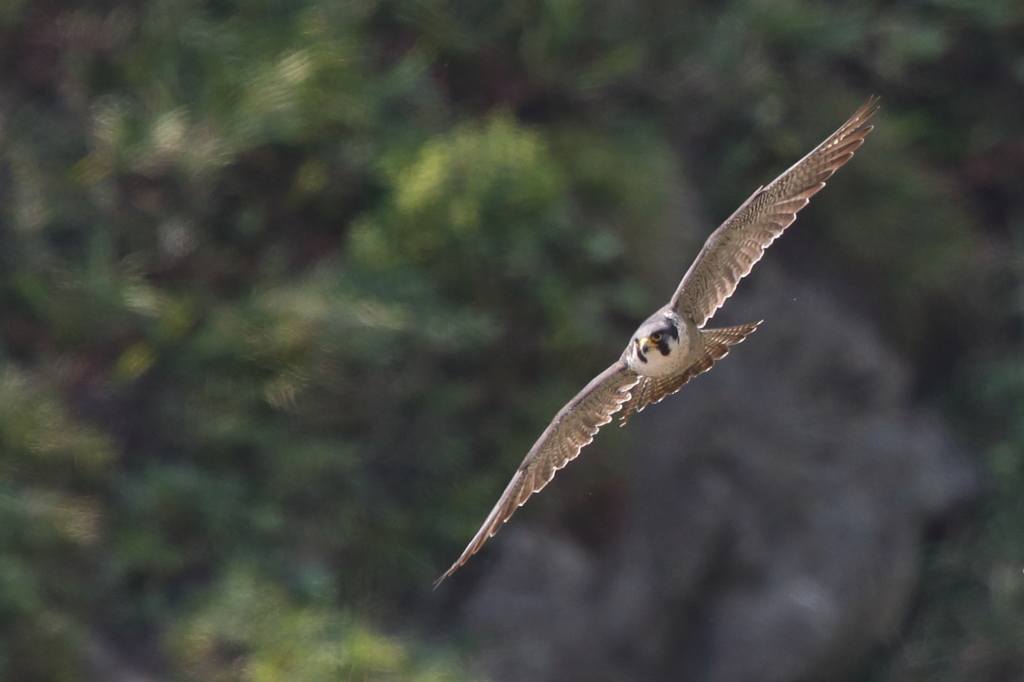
(772, 527)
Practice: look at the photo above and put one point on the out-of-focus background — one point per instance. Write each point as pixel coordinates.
(288, 288)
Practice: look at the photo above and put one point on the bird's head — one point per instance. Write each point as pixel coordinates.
(653, 345)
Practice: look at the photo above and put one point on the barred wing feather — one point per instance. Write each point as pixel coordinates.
(572, 429)
(733, 249)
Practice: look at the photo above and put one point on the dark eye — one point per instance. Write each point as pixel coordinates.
(656, 337)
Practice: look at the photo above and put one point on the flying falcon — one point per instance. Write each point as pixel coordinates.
(672, 346)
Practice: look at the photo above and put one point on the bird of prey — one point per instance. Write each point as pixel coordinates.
(672, 346)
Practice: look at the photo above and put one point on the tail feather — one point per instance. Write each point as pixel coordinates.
(729, 336)
(653, 390)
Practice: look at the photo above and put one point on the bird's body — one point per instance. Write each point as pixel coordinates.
(672, 346)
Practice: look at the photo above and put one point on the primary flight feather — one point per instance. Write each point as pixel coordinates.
(672, 346)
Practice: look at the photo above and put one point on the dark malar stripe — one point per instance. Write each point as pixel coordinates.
(665, 333)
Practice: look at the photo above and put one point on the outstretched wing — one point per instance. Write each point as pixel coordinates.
(571, 430)
(733, 249)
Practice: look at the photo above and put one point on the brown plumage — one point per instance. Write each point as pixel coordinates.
(671, 347)
(733, 249)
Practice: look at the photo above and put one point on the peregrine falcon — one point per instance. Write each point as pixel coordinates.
(672, 346)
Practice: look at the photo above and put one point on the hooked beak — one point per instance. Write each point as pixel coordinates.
(642, 346)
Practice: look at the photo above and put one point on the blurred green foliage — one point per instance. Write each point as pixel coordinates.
(265, 636)
(279, 281)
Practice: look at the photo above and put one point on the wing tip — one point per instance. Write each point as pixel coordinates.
(456, 566)
(866, 111)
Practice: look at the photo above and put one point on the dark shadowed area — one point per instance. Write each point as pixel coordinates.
(288, 290)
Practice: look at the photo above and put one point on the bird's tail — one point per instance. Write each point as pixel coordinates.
(728, 336)
(716, 346)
